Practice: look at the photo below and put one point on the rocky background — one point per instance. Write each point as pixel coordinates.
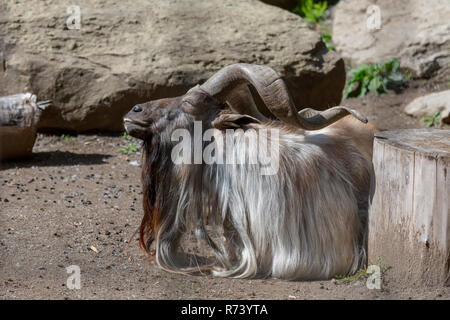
(126, 54)
(77, 200)
(418, 32)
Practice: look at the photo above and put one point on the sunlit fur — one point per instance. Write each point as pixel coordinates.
(305, 222)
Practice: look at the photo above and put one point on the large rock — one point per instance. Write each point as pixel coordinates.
(416, 31)
(428, 105)
(128, 52)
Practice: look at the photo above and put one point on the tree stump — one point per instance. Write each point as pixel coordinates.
(19, 115)
(409, 214)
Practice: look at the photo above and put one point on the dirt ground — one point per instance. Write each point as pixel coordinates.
(78, 202)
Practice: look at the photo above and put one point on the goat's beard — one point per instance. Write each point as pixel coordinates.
(156, 171)
(291, 225)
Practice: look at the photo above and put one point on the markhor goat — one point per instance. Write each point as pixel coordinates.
(306, 221)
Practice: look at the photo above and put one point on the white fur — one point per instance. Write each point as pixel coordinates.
(301, 223)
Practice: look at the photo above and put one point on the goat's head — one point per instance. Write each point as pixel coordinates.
(155, 117)
(228, 88)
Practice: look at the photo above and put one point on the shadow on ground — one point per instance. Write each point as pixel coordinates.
(56, 158)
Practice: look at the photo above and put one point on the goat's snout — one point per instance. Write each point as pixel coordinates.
(137, 108)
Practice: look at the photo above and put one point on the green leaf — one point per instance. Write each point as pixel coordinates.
(374, 78)
(396, 78)
(384, 84)
(312, 12)
(395, 64)
(374, 85)
(348, 91)
(132, 148)
(359, 75)
(364, 86)
(326, 38)
(392, 65)
(363, 92)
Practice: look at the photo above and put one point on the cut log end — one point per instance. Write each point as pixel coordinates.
(430, 142)
(409, 217)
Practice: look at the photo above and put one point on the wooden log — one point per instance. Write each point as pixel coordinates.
(19, 115)
(409, 214)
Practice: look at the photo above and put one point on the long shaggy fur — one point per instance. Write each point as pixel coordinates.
(305, 222)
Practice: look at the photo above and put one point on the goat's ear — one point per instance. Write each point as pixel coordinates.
(232, 121)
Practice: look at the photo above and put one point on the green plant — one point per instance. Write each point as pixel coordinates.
(312, 12)
(374, 78)
(130, 149)
(67, 137)
(359, 275)
(433, 121)
(326, 38)
(408, 74)
(126, 136)
(383, 266)
(362, 274)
